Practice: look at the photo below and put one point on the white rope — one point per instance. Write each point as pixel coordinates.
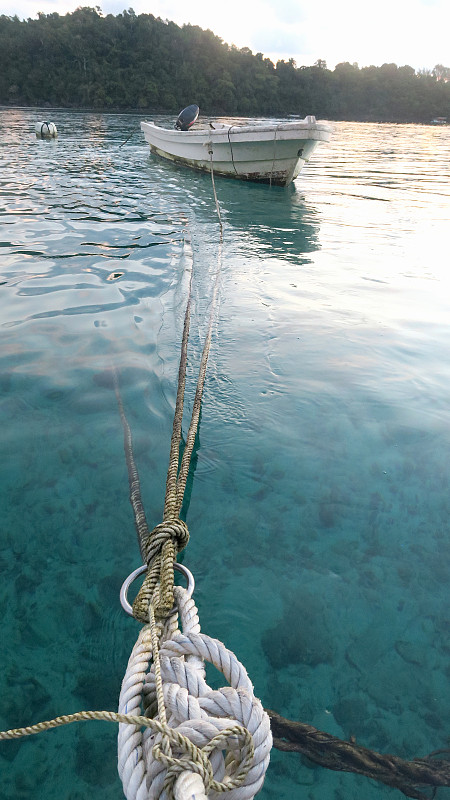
(193, 710)
(189, 785)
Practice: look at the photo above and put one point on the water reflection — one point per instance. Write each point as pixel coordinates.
(261, 220)
(270, 221)
(324, 435)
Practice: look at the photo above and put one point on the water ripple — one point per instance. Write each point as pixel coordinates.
(321, 485)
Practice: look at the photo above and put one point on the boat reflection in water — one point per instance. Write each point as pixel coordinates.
(269, 222)
(265, 221)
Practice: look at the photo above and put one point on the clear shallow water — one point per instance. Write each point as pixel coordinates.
(320, 503)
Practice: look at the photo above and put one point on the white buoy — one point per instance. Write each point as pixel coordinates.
(46, 130)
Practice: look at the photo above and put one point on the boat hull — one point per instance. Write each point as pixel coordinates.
(273, 153)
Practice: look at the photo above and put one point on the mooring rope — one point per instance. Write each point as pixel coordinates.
(160, 546)
(151, 768)
(210, 152)
(174, 687)
(133, 475)
(187, 725)
(231, 148)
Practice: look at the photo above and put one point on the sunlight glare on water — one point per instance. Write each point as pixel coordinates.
(319, 506)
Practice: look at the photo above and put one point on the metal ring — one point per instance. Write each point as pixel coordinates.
(132, 577)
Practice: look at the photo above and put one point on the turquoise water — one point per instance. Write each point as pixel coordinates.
(320, 502)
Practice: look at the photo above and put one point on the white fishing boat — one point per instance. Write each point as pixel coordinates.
(266, 152)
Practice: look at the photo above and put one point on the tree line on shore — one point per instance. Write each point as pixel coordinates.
(139, 62)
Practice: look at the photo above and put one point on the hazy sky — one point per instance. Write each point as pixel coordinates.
(414, 32)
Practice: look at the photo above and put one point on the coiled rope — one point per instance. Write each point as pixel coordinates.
(202, 722)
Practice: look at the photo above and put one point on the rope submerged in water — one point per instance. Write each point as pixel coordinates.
(160, 546)
(191, 771)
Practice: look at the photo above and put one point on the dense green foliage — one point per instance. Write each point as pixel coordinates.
(141, 62)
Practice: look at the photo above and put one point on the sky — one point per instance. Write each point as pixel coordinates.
(414, 32)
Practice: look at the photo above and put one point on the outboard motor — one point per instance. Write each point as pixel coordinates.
(186, 118)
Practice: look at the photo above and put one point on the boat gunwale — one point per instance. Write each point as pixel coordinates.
(288, 130)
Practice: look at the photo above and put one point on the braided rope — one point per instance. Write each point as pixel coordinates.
(182, 748)
(140, 519)
(153, 765)
(159, 547)
(84, 716)
(195, 758)
(211, 152)
(180, 753)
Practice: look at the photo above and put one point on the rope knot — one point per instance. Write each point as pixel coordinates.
(190, 758)
(171, 530)
(159, 549)
(198, 729)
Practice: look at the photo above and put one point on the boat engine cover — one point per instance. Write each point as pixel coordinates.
(187, 117)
